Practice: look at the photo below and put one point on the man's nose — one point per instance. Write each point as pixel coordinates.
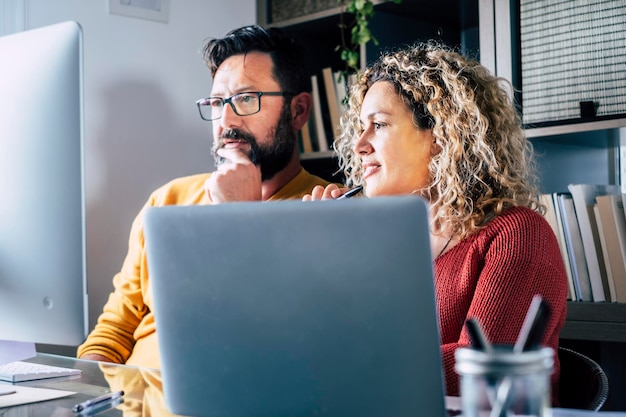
(229, 116)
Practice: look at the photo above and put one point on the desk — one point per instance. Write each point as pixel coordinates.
(143, 391)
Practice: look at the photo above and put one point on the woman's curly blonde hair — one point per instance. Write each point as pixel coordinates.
(485, 165)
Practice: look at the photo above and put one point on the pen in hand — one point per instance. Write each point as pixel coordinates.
(351, 193)
(98, 401)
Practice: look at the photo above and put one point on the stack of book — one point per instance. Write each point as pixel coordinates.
(590, 224)
(329, 89)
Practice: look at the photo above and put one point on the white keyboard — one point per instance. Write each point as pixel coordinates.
(27, 371)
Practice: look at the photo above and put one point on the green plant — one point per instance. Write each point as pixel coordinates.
(360, 33)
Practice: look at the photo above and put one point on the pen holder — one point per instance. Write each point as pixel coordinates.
(505, 383)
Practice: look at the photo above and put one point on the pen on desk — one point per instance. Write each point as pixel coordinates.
(103, 399)
(100, 408)
(351, 193)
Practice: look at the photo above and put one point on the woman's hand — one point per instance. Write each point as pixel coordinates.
(331, 191)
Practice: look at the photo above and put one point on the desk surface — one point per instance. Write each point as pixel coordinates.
(143, 394)
(142, 389)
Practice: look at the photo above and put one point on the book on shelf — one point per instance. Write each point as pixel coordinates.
(613, 220)
(553, 217)
(331, 99)
(575, 251)
(602, 224)
(305, 135)
(584, 197)
(317, 117)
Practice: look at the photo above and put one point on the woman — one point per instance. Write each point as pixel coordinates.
(425, 120)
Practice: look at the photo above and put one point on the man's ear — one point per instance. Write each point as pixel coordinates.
(300, 109)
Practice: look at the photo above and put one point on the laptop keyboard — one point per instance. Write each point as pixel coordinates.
(27, 371)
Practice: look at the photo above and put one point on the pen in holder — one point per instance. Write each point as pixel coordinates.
(507, 380)
(505, 383)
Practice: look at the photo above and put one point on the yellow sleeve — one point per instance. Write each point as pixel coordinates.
(127, 316)
(114, 334)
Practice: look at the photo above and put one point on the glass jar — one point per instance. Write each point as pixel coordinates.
(503, 383)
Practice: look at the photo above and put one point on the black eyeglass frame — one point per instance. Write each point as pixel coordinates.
(229, 100)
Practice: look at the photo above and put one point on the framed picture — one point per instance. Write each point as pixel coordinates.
(158, 10)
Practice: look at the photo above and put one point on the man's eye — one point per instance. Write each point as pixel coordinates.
(216, 104)
(245, 98)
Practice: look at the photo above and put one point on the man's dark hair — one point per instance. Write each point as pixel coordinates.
(286, 52)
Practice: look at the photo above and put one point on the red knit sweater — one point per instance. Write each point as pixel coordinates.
(492, 276)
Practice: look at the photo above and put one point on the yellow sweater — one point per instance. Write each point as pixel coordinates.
(125, 331)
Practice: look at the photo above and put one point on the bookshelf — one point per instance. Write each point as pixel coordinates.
(317, 22)
(576, 150)
(604, 322)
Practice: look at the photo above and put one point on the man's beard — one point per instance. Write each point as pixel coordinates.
(272, 158)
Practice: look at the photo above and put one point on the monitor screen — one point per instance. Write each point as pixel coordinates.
(43, 286)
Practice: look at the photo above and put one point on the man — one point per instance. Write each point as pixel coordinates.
(259, 101)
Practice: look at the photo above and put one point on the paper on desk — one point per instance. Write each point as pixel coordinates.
(27, 395)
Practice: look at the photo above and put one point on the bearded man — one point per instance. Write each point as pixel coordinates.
(259, 101)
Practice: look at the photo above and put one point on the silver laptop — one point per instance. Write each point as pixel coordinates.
(287, 308)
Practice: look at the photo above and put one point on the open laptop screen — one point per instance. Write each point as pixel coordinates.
(296, 309)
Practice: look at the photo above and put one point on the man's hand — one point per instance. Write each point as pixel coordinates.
(238, 179)
(95, 357)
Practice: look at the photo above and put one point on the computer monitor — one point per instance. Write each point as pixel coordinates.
(43, 289)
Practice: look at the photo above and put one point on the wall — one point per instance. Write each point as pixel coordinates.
(142, 128)
(560, 158)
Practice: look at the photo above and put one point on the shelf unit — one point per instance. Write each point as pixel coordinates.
(584, 152)
(392, 25)
(604, 322)
(576, 128)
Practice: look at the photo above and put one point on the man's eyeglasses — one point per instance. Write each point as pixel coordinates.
(243, 104)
